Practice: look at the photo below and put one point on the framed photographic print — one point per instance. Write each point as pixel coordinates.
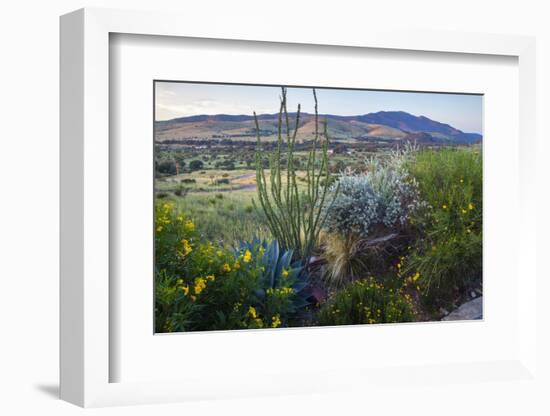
(284, 217)
(306, 214)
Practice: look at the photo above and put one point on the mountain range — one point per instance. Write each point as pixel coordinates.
(383, 125)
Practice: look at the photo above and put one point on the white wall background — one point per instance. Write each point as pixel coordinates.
(29, 114)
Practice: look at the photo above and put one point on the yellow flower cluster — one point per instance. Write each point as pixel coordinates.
(276, 321)
(284, 273)
(252, 312)
(413, 278)
(247, 256)
(189, 226)
(226, 267)
(163, 217)
(187, 247)
(283, 291)
(200, 285)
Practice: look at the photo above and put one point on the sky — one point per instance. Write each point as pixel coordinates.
(179, 99)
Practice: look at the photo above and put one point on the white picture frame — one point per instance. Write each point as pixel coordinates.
(85, 352)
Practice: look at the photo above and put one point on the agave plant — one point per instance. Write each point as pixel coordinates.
(278, 270)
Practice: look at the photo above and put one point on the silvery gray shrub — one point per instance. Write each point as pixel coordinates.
(383, 195)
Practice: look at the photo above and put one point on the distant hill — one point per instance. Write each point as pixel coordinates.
(387, 125)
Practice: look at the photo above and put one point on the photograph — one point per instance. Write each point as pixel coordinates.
(281, 206)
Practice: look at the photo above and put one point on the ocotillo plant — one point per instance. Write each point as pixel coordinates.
(295, 216)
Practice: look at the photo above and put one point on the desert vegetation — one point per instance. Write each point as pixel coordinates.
(287, 229)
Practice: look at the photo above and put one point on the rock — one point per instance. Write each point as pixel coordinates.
(473, 294)
(470, 310)
(443, 311)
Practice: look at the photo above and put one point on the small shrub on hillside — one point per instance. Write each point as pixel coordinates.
(181, 191)
(367, 302)
(196, 165)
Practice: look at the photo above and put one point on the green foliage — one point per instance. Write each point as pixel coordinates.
(367, 301)
(294, 217)
(202, 286)
(448, 254)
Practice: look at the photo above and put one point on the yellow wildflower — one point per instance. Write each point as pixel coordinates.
(200, 285)
(185, 290)
(252, 312)
(247, 256)
(179, 281)
(189, 226)
(444, 206)
(236, 265)
(284, 273)
(159, 228)
(286, 290)
(226, 268)
(470, 206)
(220, 253)
(187, 248)
(464, 211)
(276, 321)
(211, 277)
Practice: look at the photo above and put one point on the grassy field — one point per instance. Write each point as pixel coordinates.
(226, 217)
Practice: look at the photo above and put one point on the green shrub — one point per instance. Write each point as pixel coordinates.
(202, 286)
(367, 302)
(166, 167)
(379, 199)
(196, 165)
(448, 254)
(181, 191)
